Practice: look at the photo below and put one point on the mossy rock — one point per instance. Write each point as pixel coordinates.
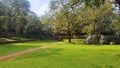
(93, 39)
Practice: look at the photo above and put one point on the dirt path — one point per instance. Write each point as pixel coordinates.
(6, 57)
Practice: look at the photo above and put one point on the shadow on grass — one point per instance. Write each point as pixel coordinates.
(9, 42)
(27, 41)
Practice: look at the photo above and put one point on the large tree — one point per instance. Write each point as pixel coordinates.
(97, 3)
(98, 22)
(4, 18)
(65, 13)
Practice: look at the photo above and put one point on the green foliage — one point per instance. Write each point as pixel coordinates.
(99, 21)
(47, 23)
(64, 16)
(14, 16)
(115, 25)
(70, 17)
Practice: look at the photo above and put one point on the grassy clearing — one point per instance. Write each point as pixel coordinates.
(67, 55)
(17, 47)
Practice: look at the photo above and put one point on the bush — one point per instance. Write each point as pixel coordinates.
(116, 40)
(59, 38)
(101, 39)
(109, 40)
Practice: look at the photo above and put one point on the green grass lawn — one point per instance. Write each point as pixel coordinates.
(17, 47)
(66, 55)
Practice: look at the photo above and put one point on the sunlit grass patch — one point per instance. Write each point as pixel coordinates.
(67, 55)
(17, 47)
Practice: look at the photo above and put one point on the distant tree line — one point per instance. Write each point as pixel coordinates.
(16, 19)
(69, 18)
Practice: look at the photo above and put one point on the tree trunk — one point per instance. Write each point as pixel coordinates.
(18, 33)
(94, 27)
(6, 32)
(69, 36)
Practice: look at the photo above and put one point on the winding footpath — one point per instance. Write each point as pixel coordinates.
(9, 56)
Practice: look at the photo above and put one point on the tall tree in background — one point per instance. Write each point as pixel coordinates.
(99, 21)
(116, 25)
(20, 9)
(4, 18)
(33, 24)
(13, 15)
(65, 15)
(97, 3)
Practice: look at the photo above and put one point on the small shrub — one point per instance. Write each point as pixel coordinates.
(109, 40)
(59, 38)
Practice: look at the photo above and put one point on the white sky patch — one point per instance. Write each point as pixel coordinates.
(40, 7)
(43, 9)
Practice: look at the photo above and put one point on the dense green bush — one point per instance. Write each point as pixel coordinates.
(109, 40)
(101, 39)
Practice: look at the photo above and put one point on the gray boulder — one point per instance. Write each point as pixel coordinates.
(104, 39)
(93, 39)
